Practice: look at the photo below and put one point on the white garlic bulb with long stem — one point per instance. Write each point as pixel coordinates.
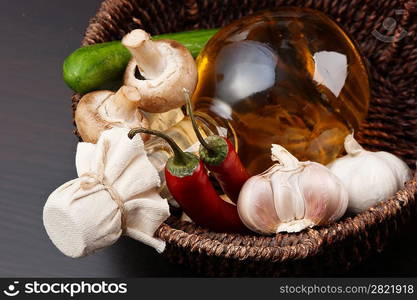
(369, 177)
(291, 196)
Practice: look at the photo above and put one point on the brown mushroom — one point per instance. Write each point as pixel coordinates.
(101, 110)
(167, 68)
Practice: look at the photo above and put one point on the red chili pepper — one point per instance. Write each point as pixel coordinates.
(220, 157)
(189, 184)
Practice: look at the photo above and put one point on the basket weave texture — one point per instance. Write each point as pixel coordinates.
(391, 126)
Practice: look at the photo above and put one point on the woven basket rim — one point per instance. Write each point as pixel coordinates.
(197, 243)
(333, 232)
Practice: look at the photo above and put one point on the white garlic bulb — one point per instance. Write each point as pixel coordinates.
(369, 177)
(291, 196)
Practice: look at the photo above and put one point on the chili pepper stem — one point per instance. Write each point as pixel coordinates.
(220, 158)
(194, 123)
(214, 149)
(218, 152)
(182, 163)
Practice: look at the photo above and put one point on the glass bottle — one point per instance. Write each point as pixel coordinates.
(291, 77)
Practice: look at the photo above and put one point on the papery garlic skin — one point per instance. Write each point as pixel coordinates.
(291, 196)
(369, 177)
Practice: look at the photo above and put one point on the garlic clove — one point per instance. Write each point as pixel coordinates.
(284, 197)
(289, 201)
(315, 194)
(325, 196)
(256, 205)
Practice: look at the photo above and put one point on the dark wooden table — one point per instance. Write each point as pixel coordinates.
(37, 150)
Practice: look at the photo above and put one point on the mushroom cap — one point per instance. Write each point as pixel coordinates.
(166, 91)
(90, 124)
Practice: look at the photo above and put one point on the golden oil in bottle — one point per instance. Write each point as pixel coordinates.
(290, 77)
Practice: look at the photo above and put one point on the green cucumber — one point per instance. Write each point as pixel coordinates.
(96, 67)
(101, 66)
(194, 40)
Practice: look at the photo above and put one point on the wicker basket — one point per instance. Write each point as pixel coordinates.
(391, 126)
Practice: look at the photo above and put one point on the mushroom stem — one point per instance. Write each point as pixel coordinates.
(148, 58)
(123, 104)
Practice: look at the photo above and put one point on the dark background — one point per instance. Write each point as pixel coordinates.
(37, 150)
